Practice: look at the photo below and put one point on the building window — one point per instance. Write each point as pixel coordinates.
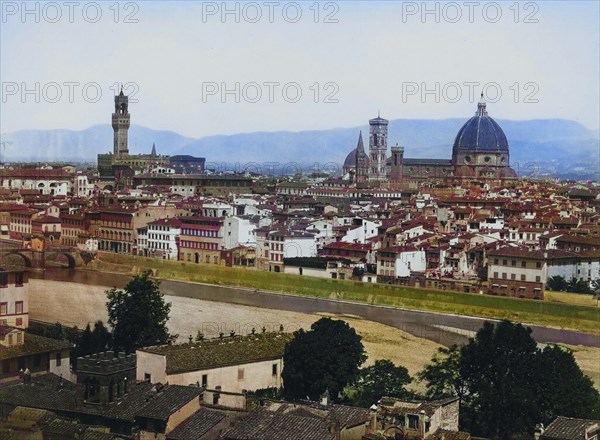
(538, 279)
(538, 264)
(413, 421)
(18, 279)
(513, 263)
(522, 277)
(147, 377)
(3, 308)
(523, 263)
(274, 370)
(3, 279)
(19, 307)
(58, 358)
(240, 374)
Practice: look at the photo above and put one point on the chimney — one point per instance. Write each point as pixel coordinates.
(422, 418)
(325, 398)
(539, 430)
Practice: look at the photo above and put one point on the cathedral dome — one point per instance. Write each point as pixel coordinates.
(480, 134)
(350, 159)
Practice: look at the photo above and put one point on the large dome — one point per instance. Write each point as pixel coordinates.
(480, 134)
(350, 159)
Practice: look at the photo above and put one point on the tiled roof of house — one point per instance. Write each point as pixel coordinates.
(283, 420)
(397, 406)
(566, 428)
(263, 424)
(34, 344)
(221, 352)
(167, 401)
(196, 425)
(52, 393)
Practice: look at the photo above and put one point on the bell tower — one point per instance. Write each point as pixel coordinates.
(397, 163)
(378, 147)
(120, 124)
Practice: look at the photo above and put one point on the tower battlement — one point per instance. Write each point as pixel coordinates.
(120, 124)
(106, 363)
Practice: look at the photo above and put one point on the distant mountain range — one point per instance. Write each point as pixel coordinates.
(560, 147)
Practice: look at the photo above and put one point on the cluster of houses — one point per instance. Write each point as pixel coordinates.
(502, 240)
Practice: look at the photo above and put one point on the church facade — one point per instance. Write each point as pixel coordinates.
(480, 152)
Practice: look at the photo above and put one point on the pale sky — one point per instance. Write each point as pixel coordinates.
(379, 56)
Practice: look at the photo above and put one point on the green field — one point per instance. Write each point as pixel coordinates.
(552, 314)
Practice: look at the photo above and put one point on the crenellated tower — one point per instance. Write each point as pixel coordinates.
(120, 124)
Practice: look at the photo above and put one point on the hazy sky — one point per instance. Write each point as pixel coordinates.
(182, 61)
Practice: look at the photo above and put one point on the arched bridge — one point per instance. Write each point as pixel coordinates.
(49, 257)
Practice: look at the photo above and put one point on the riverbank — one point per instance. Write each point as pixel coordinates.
(549, 314)
(52, 301)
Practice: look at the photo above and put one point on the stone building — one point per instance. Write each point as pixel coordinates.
(480, 152)
(229, 364)
(106, 377)
(122, 166)
(24, 353)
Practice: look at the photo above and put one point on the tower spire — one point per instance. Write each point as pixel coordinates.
(360, 145)
(153, 153)
(481, 107)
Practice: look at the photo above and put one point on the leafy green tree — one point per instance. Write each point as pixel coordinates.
(578, 286)
(557, 283)
(326, 358)
(101, 337)
(138, 314)
(381, 379)
(442, 375)
(563, 388)
(498, 368)
(91, 341)
(507, 384)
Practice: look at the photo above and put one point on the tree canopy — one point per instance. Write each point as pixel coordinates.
(326, 358)
(383, 378)
(138, 314)
(507, 384)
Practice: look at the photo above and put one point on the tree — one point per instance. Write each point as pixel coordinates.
(326, 358)
(507, 384)
(498, 368)
(138, 314)
(442, 375)
(91, 341)
(578, 286)
(381, 379)
(557, 283)
(101, 337)
(563, 388)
